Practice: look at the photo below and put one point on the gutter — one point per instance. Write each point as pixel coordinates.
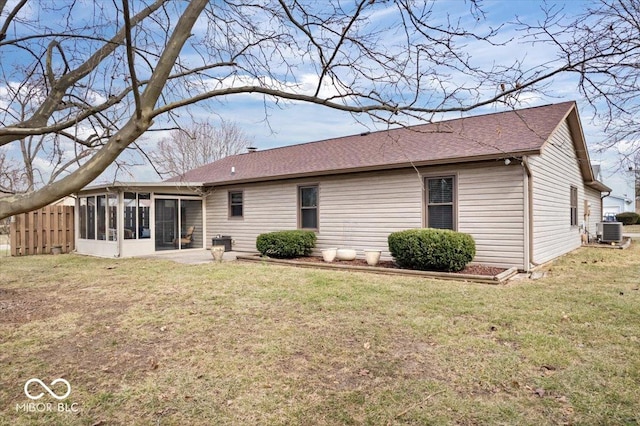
(529, 236)
(369, 168)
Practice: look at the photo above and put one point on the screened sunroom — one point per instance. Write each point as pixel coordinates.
(123, 220)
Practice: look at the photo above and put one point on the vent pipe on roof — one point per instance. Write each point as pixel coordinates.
(252, 149)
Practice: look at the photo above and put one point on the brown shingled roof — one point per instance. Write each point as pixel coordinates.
(498, 135)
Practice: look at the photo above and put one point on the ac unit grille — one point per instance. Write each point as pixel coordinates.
(611, 232)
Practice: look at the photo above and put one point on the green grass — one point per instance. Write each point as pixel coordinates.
(151, 342)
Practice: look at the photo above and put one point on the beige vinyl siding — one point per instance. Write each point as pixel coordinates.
(554, 172)
(593, 196)
(491, 209)
(266, 207)
(360, 210)
(357, 211)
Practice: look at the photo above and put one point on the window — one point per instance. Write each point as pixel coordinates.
(144, 220)
(101, 217)
(130, 225)
(83, 217)
(235, 204)
(112, 203)
(440, 202)
(91, 218)
(573, 201)
(136, 215)
(308, 202)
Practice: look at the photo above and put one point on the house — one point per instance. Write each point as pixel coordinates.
(520, 182)
(132, 219)
(612, 202)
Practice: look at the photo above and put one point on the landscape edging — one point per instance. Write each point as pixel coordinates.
(501, 278)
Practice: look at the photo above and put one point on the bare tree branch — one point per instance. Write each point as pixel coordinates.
(117, 143)
(10, 18)
(62, 84)
(196, 145)
(96, 88)
(130, 58)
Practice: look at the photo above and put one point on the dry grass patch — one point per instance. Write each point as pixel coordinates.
(152, 342)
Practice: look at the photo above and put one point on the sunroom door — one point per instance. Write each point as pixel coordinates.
(178, 224)
(166, 222)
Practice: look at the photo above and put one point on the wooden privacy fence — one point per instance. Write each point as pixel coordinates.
(39, 231)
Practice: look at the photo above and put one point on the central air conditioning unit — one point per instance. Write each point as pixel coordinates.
(609, 232)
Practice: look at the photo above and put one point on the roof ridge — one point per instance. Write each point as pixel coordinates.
(408, 127)
(351, 151)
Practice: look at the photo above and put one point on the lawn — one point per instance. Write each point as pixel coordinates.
(153, 342)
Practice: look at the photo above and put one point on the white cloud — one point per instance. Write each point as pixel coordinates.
(293, 122)
(306, 85)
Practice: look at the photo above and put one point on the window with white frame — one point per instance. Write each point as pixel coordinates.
(137, 222)
(98, 215)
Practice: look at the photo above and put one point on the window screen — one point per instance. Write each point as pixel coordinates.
(573, 202)
(235, 204)
(308, 201)
(440, 202)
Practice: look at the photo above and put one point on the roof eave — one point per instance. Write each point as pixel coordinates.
(456, 160)
(599, 186)
(115, 186)
(580, 145)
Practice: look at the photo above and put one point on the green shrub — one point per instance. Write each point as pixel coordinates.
(432, 249)
(286, 244)
(628, 218)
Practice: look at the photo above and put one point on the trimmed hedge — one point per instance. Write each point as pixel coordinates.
(432, 249)
(286, 244)
(628, 218)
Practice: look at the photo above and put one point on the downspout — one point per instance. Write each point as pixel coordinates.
(602, 197)
(527, 169)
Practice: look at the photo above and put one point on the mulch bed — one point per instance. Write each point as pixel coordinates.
(469, 269)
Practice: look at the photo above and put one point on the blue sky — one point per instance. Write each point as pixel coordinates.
(271, 125)
(288, 123)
